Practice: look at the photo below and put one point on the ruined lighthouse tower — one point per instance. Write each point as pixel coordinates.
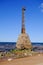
(23, 41)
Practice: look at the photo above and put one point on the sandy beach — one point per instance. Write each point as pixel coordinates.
(33, 60)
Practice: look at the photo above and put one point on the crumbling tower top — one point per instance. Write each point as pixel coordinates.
(23, 23)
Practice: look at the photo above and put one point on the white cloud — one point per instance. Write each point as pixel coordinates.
(41, 10)
(41, 7)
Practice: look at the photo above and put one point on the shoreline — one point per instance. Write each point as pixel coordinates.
(32, 60)
(13, 57)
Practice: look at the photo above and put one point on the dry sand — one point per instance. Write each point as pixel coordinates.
(33, 60)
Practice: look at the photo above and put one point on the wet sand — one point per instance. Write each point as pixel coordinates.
(33, 60)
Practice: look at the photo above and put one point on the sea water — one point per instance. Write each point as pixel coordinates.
(7, 46)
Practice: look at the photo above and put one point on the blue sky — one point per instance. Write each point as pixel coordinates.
(11, 19)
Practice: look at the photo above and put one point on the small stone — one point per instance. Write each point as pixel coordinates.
(25, 54)
(9, 59)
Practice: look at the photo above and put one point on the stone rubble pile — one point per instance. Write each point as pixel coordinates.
(23, 42)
